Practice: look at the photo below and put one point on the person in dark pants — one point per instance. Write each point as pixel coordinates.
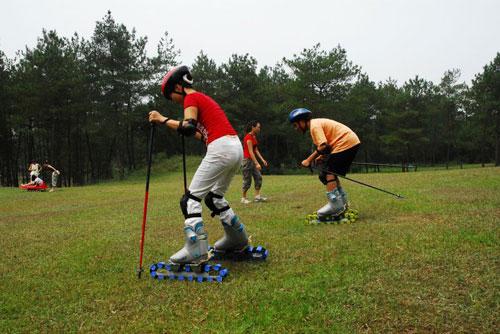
(336, 148)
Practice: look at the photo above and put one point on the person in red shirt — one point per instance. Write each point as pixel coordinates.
(205, 120)
(251, 167)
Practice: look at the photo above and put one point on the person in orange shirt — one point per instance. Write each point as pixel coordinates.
(336, 147)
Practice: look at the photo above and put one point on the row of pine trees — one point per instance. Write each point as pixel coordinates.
(82, 105)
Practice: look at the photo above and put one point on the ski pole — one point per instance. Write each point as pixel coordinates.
(184, 164)
(146, 196)
(355, 181)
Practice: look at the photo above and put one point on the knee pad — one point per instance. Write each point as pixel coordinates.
(189, 209)
(210, 200)
(322, 178)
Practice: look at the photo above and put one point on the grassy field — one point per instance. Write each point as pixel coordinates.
(429, 263)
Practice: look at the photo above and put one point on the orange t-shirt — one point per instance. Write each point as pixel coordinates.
(337, 135)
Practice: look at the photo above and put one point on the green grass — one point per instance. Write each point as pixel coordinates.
(429, 263)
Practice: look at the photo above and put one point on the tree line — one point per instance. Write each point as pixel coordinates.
(82, 105)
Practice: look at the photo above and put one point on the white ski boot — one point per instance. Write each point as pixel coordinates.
(195, 249)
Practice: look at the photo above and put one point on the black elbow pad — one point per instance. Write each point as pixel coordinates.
(188, 129)
(326, 150)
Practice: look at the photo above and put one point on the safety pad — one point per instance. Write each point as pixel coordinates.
(209, 201)
(249, 253)
(203, 272)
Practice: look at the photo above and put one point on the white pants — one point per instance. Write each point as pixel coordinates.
(55, 177)
(222, 161)
(33, 175)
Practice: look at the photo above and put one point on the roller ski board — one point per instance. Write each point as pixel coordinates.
(202, 272)
(348, 217)
(249, 253)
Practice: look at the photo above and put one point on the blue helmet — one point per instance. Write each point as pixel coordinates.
(298, 114)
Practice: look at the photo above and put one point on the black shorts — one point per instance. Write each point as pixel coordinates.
(339, 163)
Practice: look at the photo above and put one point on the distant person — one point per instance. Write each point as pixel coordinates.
(251, 167)
(36, 182)
(34, 169)
(336, 147)
(54, 175)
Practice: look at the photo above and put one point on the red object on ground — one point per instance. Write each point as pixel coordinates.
(43, 187)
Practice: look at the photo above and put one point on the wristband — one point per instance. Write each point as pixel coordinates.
(165, 121)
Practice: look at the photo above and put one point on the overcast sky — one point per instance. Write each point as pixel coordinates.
(387, 38)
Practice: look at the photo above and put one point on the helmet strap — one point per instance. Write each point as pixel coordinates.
(182, 92)
(305, 127)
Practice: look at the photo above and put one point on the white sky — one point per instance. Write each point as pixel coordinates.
(387, 38)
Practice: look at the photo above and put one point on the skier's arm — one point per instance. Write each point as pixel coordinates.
(156, 117)
(252, 154)
(307, 162)
(50, 167)
(257, 152)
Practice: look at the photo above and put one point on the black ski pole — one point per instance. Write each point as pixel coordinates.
(146, 196)
(184, 164)
(356, 181)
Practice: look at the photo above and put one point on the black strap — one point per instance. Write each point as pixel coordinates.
(211, 205)
(219, 211)
(193, 197)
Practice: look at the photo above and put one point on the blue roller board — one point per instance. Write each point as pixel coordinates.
(203, 272)
(249, 253)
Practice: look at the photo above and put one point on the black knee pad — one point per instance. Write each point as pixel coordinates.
(322, 178)
(184, 200)
(209, 201)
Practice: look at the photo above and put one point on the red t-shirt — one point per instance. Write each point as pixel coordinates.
(212, 121)
(254, 141)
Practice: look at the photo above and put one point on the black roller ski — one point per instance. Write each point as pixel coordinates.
(202, 272)
(249, 253)
(348, 217)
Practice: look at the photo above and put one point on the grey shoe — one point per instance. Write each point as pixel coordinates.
(343, 194)
(260, 199)
(235, 237)
(336, 202)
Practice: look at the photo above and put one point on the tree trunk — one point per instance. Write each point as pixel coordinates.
(89, 152)
(497, 139)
